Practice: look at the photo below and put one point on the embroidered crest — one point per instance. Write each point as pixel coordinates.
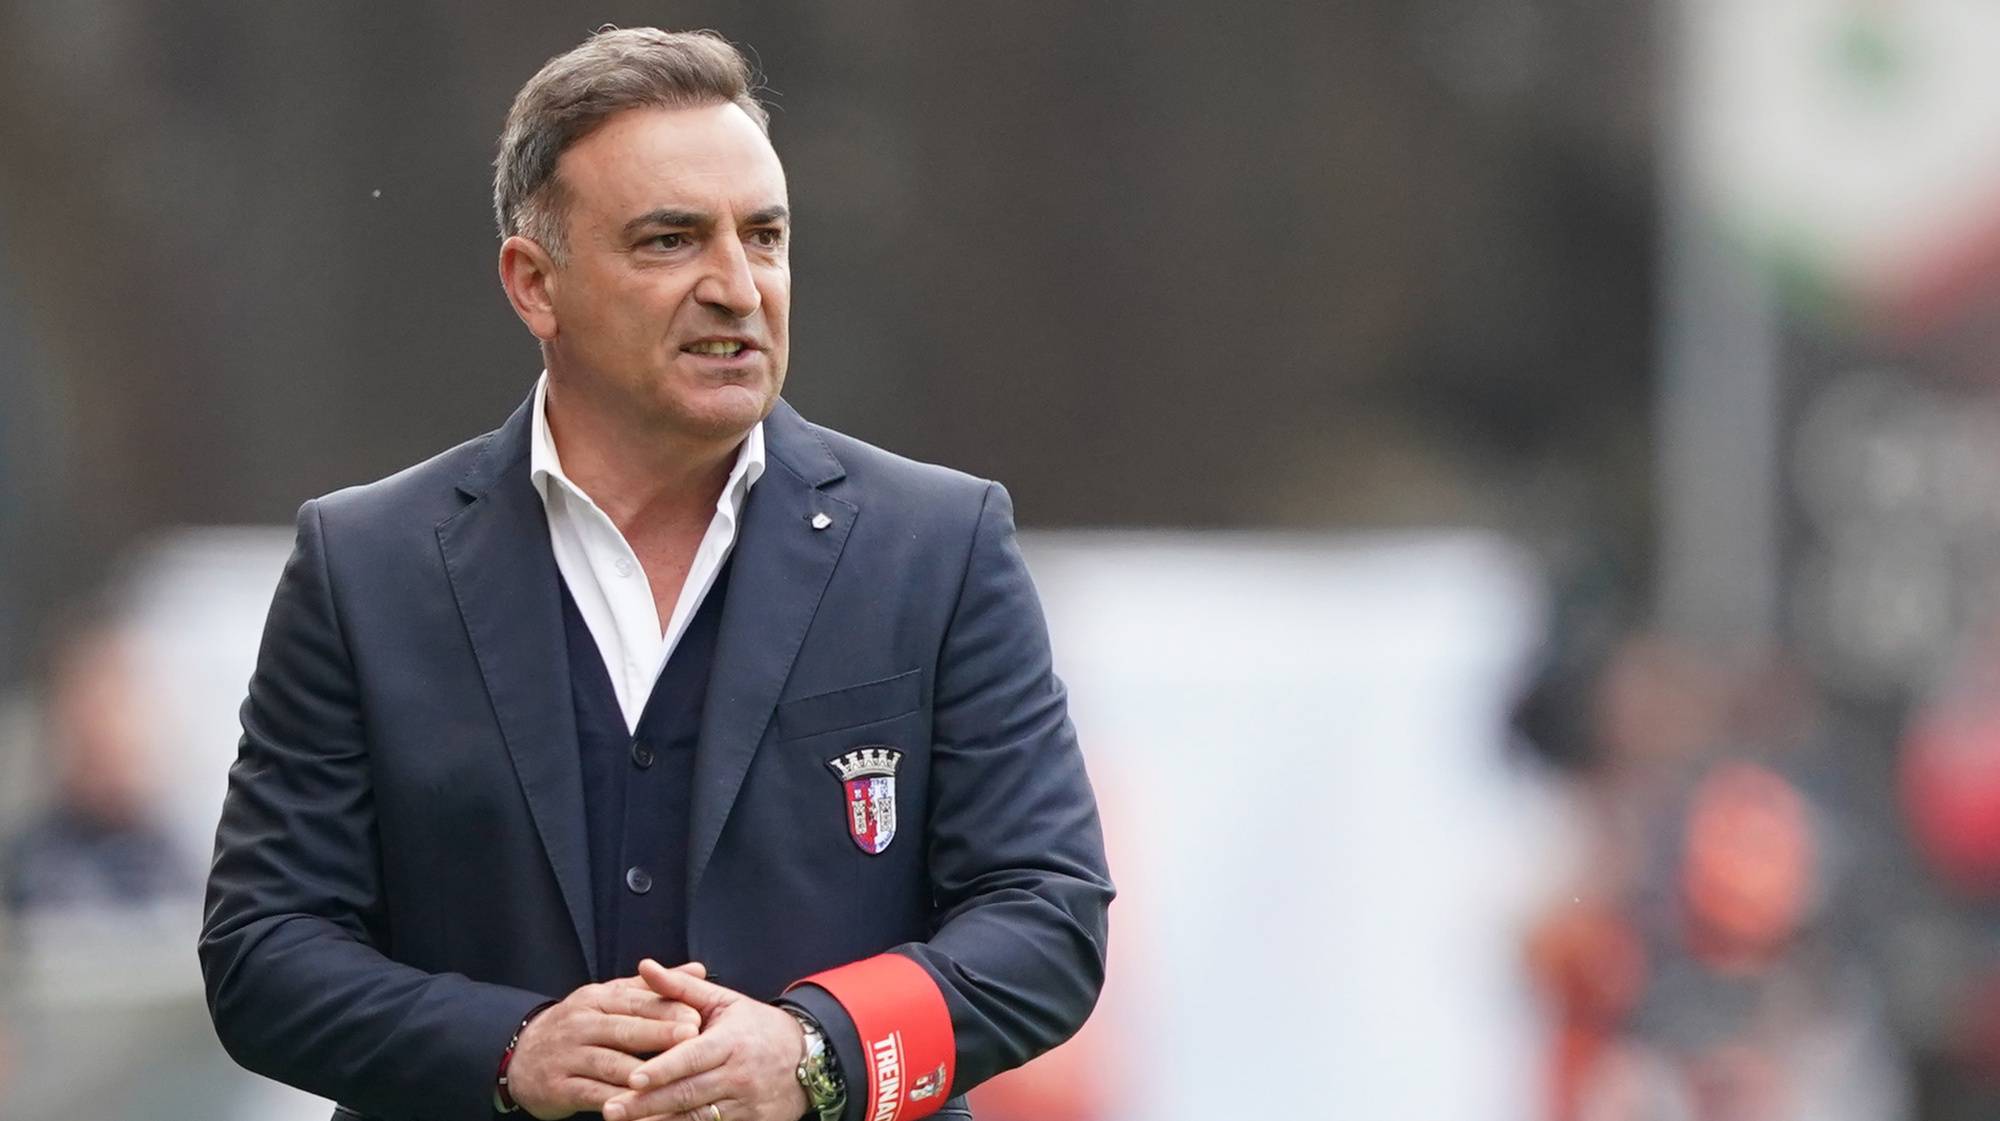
(928, 1086)
(868, 777)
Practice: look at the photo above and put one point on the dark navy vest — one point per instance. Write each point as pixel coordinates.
(636, 789)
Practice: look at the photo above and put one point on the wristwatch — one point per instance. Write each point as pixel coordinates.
(819, 1072)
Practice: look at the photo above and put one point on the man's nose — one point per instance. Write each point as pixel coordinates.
(727, 284)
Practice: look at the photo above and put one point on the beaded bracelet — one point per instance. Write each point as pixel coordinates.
(503, 1100)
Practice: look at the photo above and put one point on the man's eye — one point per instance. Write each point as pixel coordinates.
(769, 239)
(667, 241)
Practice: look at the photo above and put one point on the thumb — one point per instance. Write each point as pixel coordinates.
(682, 985)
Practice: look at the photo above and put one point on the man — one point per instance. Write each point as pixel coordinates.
(97, 850)
(656, 672)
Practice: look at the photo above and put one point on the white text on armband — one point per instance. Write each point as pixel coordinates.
(887, 1056)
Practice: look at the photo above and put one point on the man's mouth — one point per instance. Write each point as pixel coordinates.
(723, 348)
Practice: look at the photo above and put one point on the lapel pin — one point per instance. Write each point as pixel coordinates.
(821, 521)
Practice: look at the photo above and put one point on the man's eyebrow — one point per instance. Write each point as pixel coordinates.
(770, 215)
(664, 217)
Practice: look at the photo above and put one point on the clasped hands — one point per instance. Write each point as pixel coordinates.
(713, 1053)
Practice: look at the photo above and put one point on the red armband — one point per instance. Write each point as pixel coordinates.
(907, 1047)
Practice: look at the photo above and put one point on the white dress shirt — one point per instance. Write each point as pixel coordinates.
(604, 575)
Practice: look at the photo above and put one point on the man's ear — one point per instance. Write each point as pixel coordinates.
(528, 274)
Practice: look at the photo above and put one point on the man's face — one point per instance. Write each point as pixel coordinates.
(673, 303)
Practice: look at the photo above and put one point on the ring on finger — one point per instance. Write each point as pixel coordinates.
(715, 1111)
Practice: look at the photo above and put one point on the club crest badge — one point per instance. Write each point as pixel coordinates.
(868, 778)
(929, 1085)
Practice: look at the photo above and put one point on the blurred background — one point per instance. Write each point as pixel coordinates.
(1516, 485)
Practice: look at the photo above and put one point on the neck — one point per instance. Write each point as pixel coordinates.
(643, 478)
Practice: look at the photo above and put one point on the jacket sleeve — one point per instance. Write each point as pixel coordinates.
(294, 927)
(1016, 860)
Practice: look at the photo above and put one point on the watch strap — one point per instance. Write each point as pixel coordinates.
(819, 1071)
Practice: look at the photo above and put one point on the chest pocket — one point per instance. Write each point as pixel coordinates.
(853, 707)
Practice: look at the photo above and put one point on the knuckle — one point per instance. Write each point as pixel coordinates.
(621, 1032)
(563, 1019)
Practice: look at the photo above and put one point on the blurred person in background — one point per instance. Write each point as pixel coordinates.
(100, 1010)
(503, 739)
(98, 845)
(1703, 963)
(1948, 786)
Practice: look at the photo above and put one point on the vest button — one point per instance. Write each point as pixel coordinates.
(641, 754)
(638, 879)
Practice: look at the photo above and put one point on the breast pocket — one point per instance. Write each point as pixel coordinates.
(853, 707)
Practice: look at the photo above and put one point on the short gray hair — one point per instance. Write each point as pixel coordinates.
(576, 91)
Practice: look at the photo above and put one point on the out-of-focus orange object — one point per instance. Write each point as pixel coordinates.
(1590, 961)
(1593, 966)
(1067, 1084)
(1748, 867)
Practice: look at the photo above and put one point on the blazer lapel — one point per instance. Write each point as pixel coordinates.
(793, 533)
(497, 556)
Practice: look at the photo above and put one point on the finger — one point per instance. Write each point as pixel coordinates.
(671, 1012)
(732, 1109)
(582, 1094)
(635, 1035)
(630, 996)
(688, 1097)
(705, 997)
(693, 969)
(602, 1064)
(697, 1056)
(729, 1108)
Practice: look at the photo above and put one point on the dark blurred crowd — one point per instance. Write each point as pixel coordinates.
(1783, 906)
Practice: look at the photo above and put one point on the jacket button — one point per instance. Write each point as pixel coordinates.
(638, 879)
(641, 754)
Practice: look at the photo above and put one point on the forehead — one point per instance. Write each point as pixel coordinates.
(712, 159)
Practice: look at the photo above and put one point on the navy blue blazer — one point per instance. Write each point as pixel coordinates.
(400, 868)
